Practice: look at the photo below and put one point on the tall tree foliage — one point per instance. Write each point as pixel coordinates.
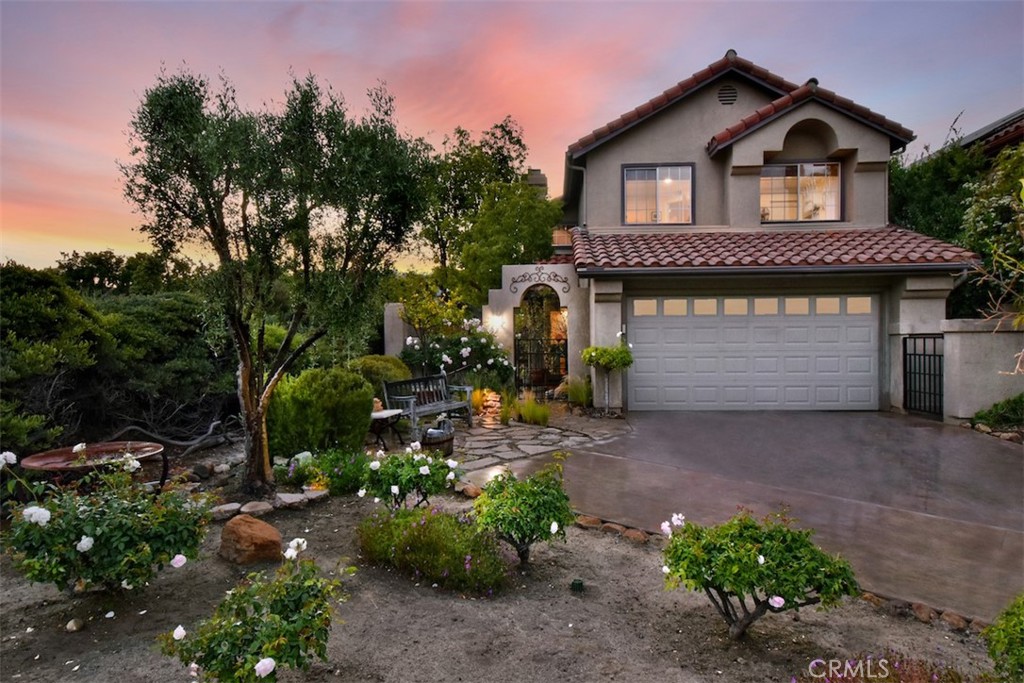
(303, 209)
(460, 173)
(513, 225)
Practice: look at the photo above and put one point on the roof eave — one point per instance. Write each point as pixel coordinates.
(845, 268)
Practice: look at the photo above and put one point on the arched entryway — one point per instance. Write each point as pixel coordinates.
(541, 326)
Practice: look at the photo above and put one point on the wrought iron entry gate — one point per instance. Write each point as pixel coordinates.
(540, 363)
(922, 374)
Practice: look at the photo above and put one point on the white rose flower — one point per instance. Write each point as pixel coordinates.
(291, 554)
(375, 465)
(452, 464)
(425, 470)
(299, 544)
(361, 492)
(36, 515)
(394, 489)
(554, 527)
(450, 477)
(265, 666)
(179, 632)
(79, 447)
(85, 545)
(8, 458)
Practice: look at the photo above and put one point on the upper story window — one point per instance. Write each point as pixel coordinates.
(657, 194)
(800, 192)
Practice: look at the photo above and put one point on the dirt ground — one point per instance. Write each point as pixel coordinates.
(623, 627)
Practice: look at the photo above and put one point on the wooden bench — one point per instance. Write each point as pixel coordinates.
(423, 396)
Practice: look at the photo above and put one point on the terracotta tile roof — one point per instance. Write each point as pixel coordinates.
(558, 259)
(730, 62)
(887, 248)
(809, 91)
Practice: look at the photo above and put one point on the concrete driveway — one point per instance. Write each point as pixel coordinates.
(924, 511)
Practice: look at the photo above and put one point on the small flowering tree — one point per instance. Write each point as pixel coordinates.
(109, 531)
(522, 512)
(749, 568)
(392, 478)
(447, 341)
(262, 624)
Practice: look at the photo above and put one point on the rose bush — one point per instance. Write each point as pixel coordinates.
(391, 478)
(748, 568)
(262, 624)
(108, 531)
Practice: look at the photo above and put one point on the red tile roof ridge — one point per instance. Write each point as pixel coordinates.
(807, 91)
(730, 61)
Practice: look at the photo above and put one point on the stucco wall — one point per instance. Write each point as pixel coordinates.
(979, 359)
(726, 189)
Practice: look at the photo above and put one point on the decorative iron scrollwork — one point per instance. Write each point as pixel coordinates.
(539, 276)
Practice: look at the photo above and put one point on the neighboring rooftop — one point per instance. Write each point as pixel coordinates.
(851, 249)
(1008, 130)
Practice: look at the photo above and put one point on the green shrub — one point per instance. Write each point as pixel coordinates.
(392, 478)
(317, 410)
(522, 512)
(379, 369)
(748, 568)
(533, 413)
(297, 473)
(579, 391)
(110, 532)
(262, 623)
(434, 547)
(342, 470)
(1008, 413)
(1005, 638)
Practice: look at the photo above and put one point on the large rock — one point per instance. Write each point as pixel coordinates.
(246, 539)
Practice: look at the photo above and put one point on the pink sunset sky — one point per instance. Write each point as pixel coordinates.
(71, 74)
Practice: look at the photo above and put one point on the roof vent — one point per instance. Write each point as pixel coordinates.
(728, 94)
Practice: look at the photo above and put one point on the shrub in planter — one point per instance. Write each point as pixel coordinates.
(436, 547)
(262, 624)
(1005, 638)
(109, 532)
(748, 568)
(522, 512)
(391, 478)
(319, 409)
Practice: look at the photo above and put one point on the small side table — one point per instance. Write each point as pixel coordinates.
(383, 420)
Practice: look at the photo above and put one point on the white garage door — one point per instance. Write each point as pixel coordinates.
(753, 352)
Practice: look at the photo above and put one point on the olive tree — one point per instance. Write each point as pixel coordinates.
(301, 210)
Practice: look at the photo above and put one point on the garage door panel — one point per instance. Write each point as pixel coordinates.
(827, 334)
(827, 364)
(705, 365)
(771, 352)
(736, 365)
(732, 335)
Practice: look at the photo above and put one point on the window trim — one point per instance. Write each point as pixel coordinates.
(693, 190)
(798, 163)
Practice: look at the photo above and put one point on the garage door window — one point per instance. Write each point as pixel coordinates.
(766, 306)
(858, 305)
(705, 306)
(827, 305)
(735, 306)
(797, 305)
(675, 307)
(645, 307)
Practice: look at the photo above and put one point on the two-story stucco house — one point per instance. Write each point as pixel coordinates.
(734, 228)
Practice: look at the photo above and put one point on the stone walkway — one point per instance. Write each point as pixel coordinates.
(489, 443)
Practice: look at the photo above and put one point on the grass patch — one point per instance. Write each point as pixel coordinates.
(1008, 413)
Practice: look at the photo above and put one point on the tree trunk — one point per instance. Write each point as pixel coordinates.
(259, 474)
(523, 550)
(738, 628)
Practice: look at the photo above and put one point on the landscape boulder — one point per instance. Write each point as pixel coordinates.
(246, 539)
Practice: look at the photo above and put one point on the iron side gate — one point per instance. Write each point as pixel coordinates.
(922, 374)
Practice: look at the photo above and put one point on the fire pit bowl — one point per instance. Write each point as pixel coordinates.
(94, 455)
